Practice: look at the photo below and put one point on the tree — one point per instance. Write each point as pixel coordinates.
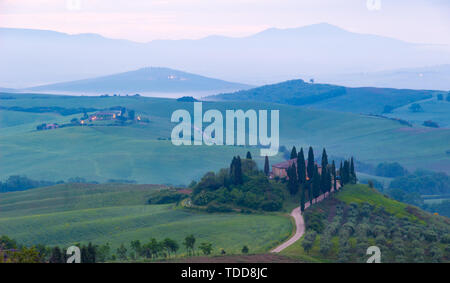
(170, 245)
(440, 97)
(353, 178)
(266, 166)
(122, 252)
(245, 250)
(206, 248)
(292, 181)
(131, 115)
(310, 194)
(236, 171)
(92, 253)
(294, 153)
(189, 243)
(136, 247)
(308, 241)
(302, 199)
(56, 256)
(316, 182)
(311, 163)
(324, 159)
(448, 97)
(249, 155)
(415, 108)
(301, 167)
(333, 173)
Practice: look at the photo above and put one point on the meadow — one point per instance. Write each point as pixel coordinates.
(143, 152)
(77, 213)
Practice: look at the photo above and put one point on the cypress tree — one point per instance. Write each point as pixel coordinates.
(266, 166)
(233, 171)
(294, 153)
(324, 158)
(249, 155)
(311, 164)
(323, 180)
(346, 173)
(301, 167)
(239, 179)
(333, 173)
(292, 182)
(316, 182)
(302, 199)
(352, 172)
(310, 194)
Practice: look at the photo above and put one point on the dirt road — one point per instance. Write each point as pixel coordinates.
(299, 225)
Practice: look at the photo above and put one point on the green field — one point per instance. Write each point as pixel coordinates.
(401, 231)
(138, 153)
(69, 214)
(434, 110)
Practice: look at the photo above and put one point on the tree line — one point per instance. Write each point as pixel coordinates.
(11, 251)
(306, 177)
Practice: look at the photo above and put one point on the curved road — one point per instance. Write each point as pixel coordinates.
(299, 225)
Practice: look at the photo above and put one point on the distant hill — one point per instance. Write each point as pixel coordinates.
(144, 80)
(332, 97)
(270, 56)
(432, 77)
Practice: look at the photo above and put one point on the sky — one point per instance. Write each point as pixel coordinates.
(419, 21)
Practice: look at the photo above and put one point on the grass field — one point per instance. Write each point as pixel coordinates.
(137, 153)
(73, 213)
(401, 214)
(434, 110)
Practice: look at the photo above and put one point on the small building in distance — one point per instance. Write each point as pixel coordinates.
(105, 115)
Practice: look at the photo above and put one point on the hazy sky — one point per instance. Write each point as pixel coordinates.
(424, 21)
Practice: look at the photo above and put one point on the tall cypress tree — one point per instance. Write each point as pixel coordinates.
(310, 167)
(333, 173)
(249, 155)
(302, 198)
(341, 174)
(294, 153)
(353, 178)
(324, 158)
(323, 180)
(316, 182)
(292, 182)
(310, 193)
(239, 178)
(301, 167)
(266, 166)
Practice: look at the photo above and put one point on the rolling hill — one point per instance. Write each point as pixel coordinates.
(78, 213)
(330, 97)
(143, 153)
(341, 228)
(270, 56)
(147, 80)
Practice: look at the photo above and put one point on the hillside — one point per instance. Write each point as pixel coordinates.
(143, 81)
(141, 152)
(341, 228)
(269, 56)
(331, 97)
(73, 213)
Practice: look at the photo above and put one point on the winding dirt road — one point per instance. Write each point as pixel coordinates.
(299, 225)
